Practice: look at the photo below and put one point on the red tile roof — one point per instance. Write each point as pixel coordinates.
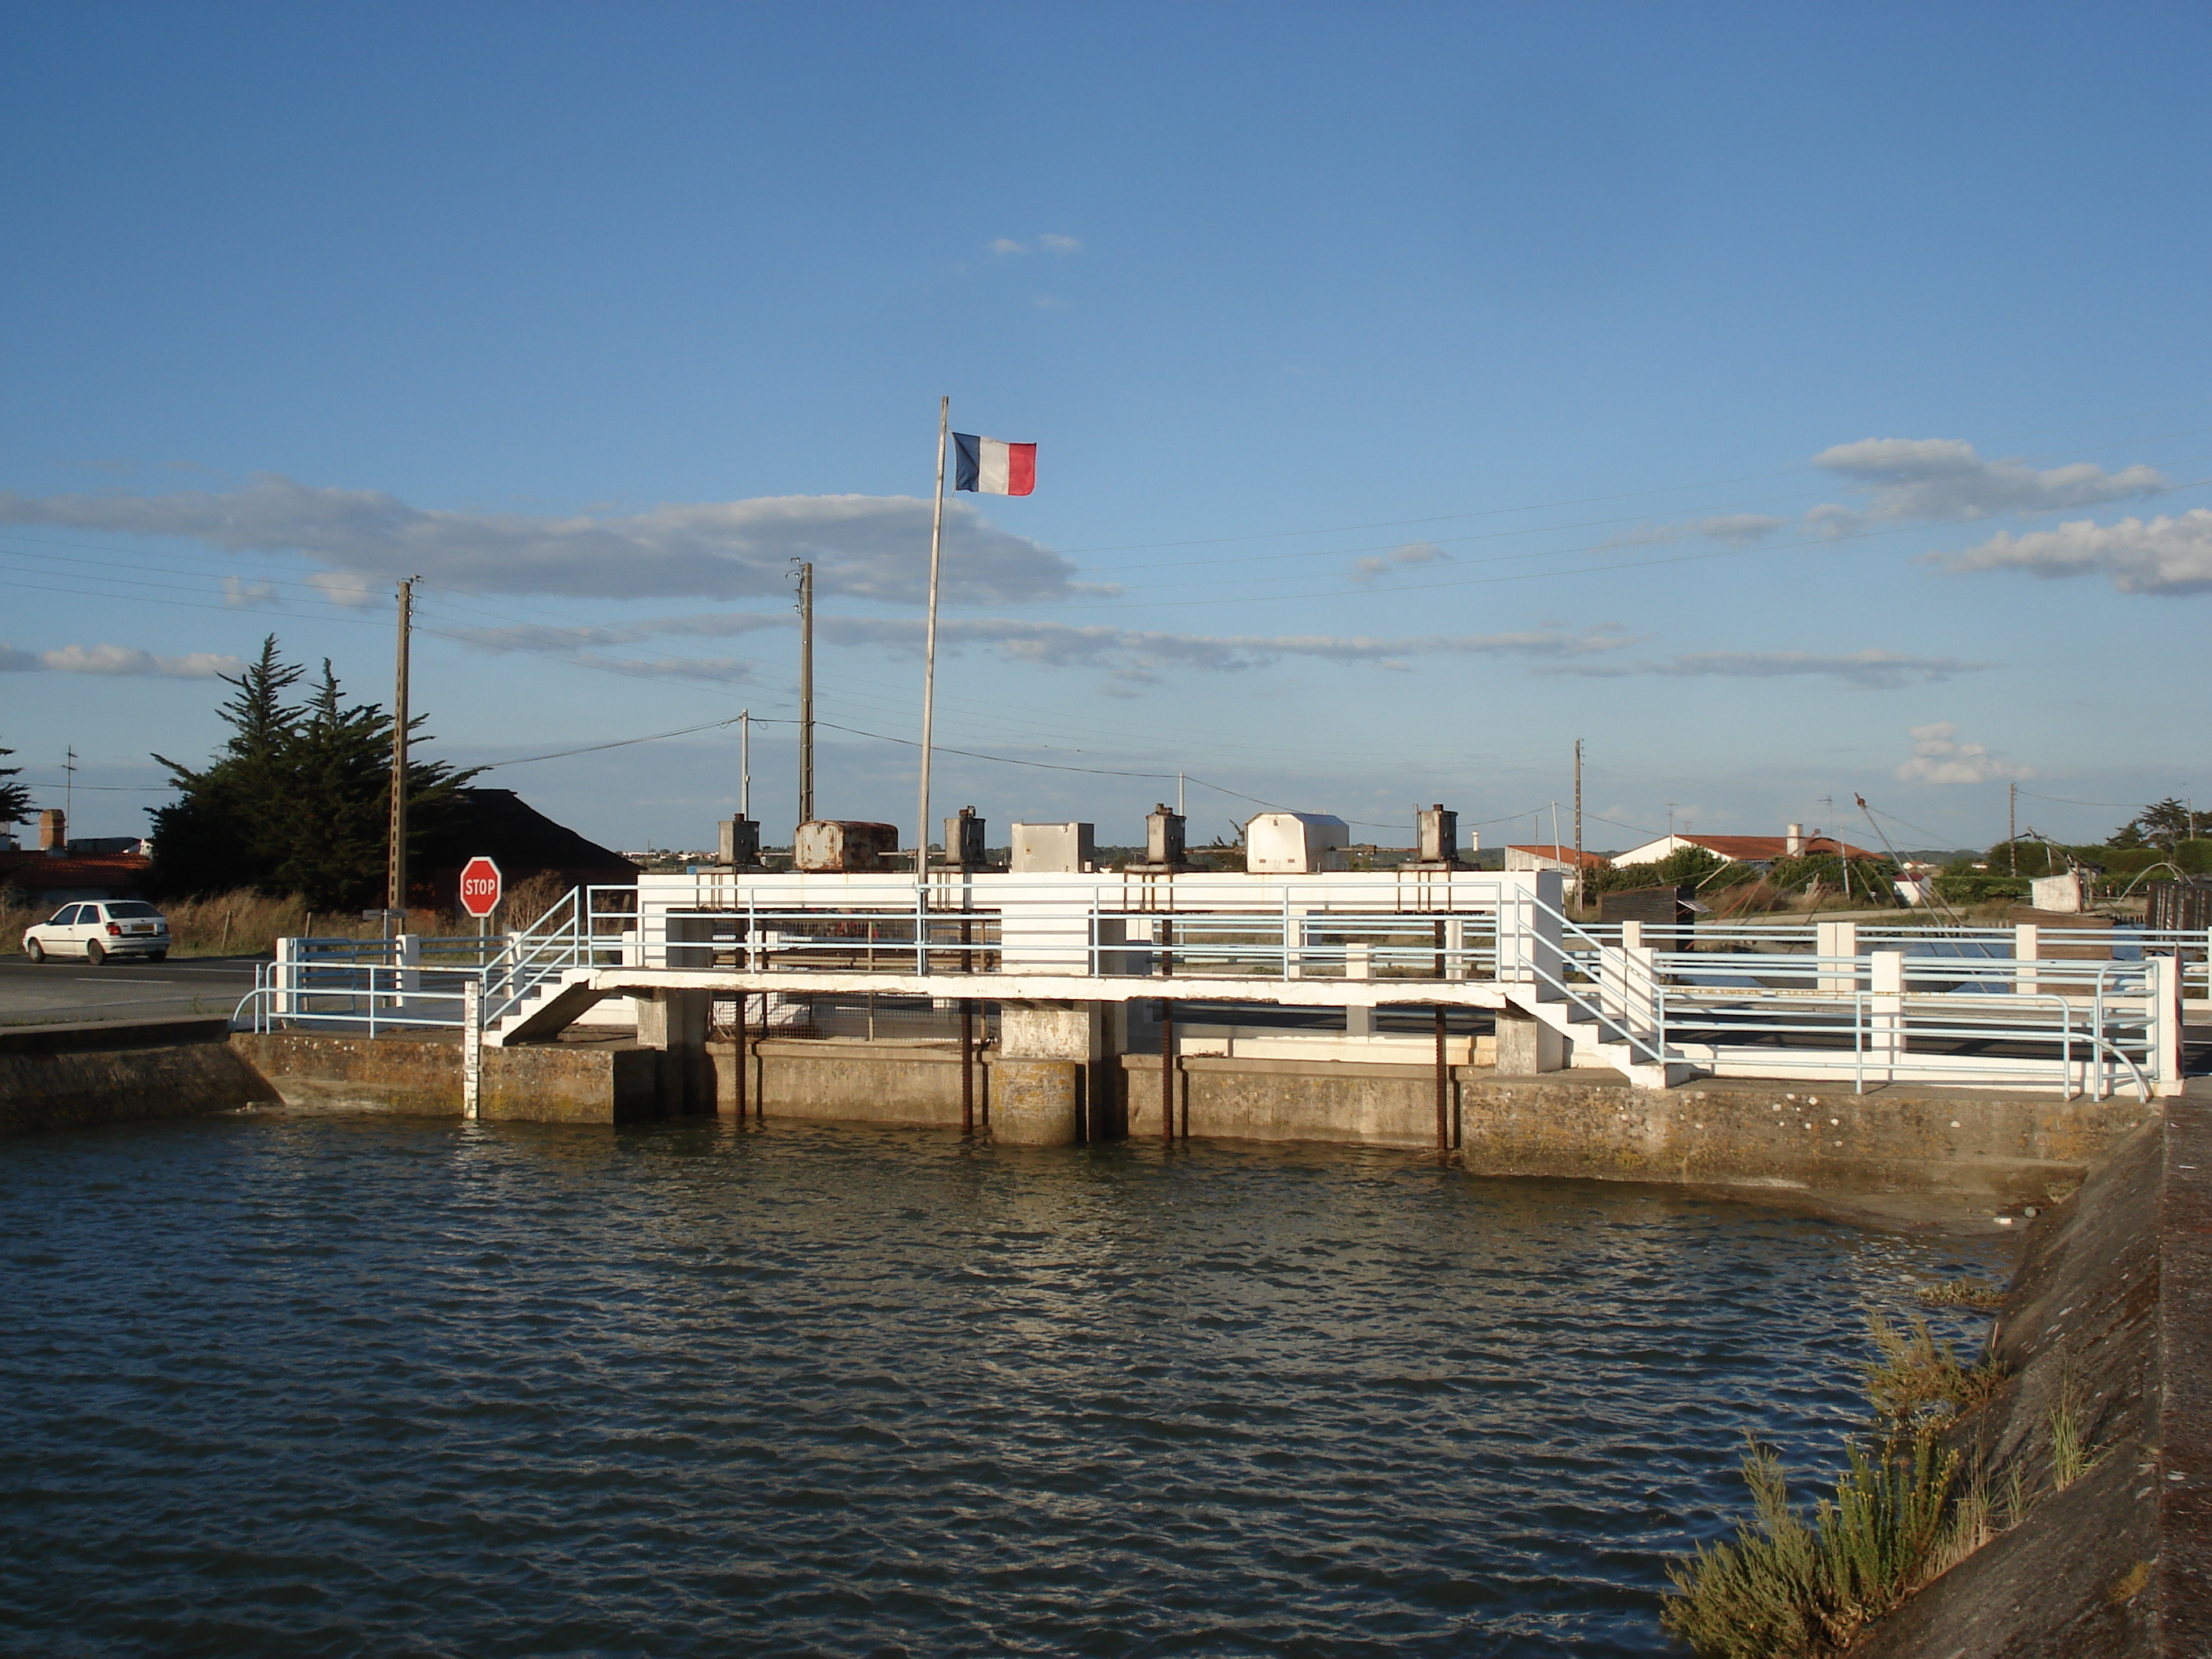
(38, 873)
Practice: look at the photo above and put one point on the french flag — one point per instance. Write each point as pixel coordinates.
(991, 466)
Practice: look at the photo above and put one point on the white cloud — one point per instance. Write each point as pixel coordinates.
(1867, 670)
(875, 547)
(1048, 302)
(347, 588)
(1052, 244)
(1131, 654)
(1920, 480)
(1737, 529)
(116, 659)
(1413, 553)
(239, 593)
(1005, 245)
(2171, 555)
(1939, 757)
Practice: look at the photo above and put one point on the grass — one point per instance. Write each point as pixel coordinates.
(1788, 1586)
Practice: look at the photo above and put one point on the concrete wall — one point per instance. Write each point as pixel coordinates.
(68, 1076)
(2111, 1306)
(549, 1082)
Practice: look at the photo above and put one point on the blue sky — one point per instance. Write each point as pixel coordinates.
(1788, 401)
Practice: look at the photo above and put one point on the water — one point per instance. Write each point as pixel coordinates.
(303, 1385)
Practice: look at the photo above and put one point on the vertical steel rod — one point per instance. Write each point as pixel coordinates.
(1443, 1088)
(395, 898)
(968, 1065)
(745, 1007)
(806, 693)
(1167, 1070)
(929, 644)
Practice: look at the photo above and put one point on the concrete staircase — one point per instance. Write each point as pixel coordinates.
(1581, 1029)
(549, 1008)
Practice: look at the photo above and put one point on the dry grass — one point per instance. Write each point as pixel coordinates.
(1917, 1381)
(1975, 1293)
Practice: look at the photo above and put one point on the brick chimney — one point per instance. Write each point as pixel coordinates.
(53, 833)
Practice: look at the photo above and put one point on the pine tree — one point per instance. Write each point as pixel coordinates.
(298, 799)
(15, 799)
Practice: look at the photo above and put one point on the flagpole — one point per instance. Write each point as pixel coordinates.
(929, 641)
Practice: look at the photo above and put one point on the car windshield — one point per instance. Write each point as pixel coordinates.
(132, 908)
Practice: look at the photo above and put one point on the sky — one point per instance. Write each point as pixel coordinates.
(1792, 404)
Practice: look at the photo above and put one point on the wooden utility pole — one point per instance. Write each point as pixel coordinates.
(2012, 828)
(395, 890)
(806, 693)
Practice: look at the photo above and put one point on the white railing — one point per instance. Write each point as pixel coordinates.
(2083, 1010)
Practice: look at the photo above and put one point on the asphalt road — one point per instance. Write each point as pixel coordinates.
(67, 991)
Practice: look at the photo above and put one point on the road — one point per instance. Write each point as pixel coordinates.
(68, 991)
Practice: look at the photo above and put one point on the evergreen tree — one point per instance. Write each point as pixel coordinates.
(298, 799)
(15, 799)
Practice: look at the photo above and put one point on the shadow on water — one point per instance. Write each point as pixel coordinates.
(338, 1385)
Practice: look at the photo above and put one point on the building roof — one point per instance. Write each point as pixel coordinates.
(1564, 855)
(40, 872)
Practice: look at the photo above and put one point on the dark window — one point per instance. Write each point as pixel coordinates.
(131, 909)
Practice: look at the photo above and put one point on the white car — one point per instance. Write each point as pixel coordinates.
(112, 927)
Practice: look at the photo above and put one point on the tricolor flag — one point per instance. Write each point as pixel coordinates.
(992, 466)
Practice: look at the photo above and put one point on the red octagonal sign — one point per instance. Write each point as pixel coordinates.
(480, 887)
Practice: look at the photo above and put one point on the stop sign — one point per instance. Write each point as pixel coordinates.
(480, 886)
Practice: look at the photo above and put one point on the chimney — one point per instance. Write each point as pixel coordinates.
(53, 833)
(1793, 842)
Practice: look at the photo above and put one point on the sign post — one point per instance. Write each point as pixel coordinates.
(481, 889)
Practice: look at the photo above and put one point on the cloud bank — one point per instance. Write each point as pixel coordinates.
(1938, 757)
(874, 547)
(116, 659)
(1866, 670)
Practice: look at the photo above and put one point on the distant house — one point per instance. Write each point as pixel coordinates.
(498, 824)
(38, 881)
(1567, 861)
(1747, 849)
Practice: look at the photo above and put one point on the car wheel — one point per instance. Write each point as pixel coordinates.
(157, 956)
(95, 954)
(36, 951)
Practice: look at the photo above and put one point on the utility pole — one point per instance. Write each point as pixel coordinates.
(806, 693)
(745, 763)
(395, 896)
(1578, 823)
(68, 793)
(2012, 828)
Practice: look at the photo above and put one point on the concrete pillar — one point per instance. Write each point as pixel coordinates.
(1359, 964)
(1527, 1046)
(2027, 950)
(1049, 1082)
(1837, 941)
(1885, 1041)
(675, 1022)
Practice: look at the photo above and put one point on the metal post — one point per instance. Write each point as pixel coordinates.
(929, 642)
(471, 1046)
(1444, 1087)
(395, 853)
(2012, 828)
(806, 693)
(745, 1002)
(1582, 904)
(967, 1066)
(1167, 1070)
(745, 763)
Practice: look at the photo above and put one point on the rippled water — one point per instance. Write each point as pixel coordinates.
(312, 1385)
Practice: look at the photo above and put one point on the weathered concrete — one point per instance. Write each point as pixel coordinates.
(2012, 1149)
(1036, 1103)
(547, 1083)
(68, 1076)
(2111, 1310)
(828, 1081)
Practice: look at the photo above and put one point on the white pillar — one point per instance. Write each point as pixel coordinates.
(1359, 964)
(408, 980)
(1885, 1046)
(1836, 941)
(471, 1046)
(2027, 950)
(286, 976)
(2165, 1025)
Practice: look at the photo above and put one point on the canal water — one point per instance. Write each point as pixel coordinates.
(338, 1385)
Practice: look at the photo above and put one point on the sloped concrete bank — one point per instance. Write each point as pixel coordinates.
(2106, 1330)
(106, 1071)
(546, 1083)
